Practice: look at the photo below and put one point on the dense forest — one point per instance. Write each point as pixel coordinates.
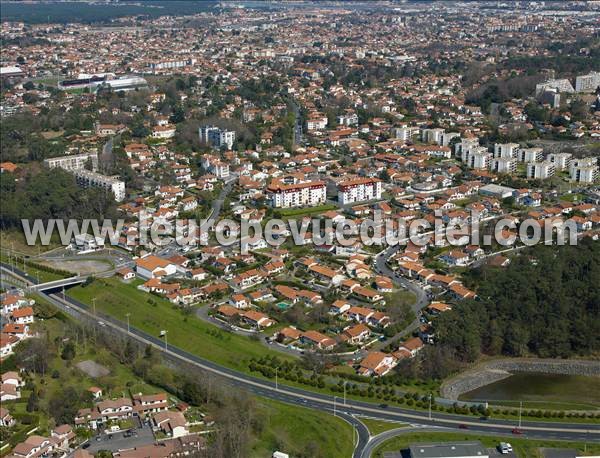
(50, 194)
(546, 303)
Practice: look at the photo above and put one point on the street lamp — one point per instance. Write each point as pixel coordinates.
(430, 406)
(94, 305)
(345, 381)
(166, 331)
(276, 384)
(127, 315)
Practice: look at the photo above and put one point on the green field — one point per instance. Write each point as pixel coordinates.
(300, 431)
(153, 314)
(522, 447)
(296, 212)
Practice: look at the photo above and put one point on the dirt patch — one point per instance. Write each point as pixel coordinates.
(92, 368)
(79, 267)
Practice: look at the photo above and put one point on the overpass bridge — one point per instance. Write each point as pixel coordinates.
(57, 284)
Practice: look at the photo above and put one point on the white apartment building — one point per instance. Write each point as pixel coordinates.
(216, 137)
(316, 121)
(168, 64)
(584, 174)
(505, 150)
(503, 165)
(560, 160)
(73, 162)
(87, 179)
(466, 144)
(297, 194)
(215, 166)
(540, 170)
(561, 85)
(582, 162)
(477, 158)
(587, 83)
(359, 190)
(348, 119)
(530, 154)
(432, 135)
(447, 137)
(405, 133)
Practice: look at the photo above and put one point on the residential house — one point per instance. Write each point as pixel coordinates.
(376, 364)
(318, 340)
(356, 334)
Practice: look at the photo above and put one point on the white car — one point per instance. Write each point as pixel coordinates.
(505, 448)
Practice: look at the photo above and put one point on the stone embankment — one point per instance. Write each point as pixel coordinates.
(496, 370)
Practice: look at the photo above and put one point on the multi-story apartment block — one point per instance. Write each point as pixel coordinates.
(73, 162)
(405, 133)
(215, 166)
(286, 194)
(584, 174)
(505, 150)
(562, 85)
(530, 154)
(582, 162)
(587, 83)
(447, 138)
(462, 148)
(169, 64)
(560, 160)
(358, 190)
(503, 165)
(432, 135)
(540, 170)
(348, 119)
(216, 137)
(87, 179)
(478, 158)
(316, 121)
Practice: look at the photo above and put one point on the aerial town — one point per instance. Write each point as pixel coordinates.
(391, 224)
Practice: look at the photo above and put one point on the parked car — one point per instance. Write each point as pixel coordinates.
(505, 448)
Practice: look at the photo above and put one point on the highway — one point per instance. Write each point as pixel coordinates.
(336, 404)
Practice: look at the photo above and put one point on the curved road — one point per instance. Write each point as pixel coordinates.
(335, 404)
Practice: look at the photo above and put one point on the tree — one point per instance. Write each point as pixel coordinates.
(68, 352)
(34, 355)
(33, 402)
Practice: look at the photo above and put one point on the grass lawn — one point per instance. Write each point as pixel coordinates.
(296, 212)
(14, 239)
(295, 430)
(522, 447)
(41, 275)
(152, 314)
(378, 426)
(572, 197)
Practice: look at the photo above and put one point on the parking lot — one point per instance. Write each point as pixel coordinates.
(496, 453)
(117, 441)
